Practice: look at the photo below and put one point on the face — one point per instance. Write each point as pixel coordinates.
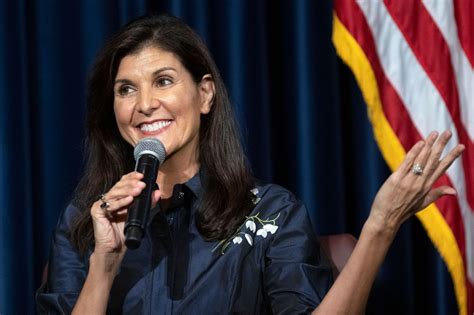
(155, 96)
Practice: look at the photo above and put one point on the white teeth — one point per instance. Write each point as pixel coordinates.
(155, 126)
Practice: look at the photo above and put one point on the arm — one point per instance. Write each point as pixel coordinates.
(109, 240)
(95, 292)
(69, 271)
(351, 289)
(401, 196)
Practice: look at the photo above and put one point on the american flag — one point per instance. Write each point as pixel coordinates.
(413, 60)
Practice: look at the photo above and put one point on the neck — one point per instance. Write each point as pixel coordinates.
(177, 169)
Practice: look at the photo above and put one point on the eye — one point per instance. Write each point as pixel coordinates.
(125, 90)
(163, 81)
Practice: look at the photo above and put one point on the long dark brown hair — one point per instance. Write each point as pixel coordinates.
(227, 178)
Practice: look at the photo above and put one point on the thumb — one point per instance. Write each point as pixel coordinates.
(155, 197)
(436, 193)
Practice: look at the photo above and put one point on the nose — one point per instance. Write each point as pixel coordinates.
(147, 103)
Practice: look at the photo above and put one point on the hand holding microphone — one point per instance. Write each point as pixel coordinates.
(121, 215)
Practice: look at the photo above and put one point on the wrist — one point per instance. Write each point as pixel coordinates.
(380, 229)
(105, 264)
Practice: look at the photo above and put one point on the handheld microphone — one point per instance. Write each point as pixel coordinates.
(149, 154)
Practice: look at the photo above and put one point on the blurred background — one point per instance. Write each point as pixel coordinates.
(303, 122)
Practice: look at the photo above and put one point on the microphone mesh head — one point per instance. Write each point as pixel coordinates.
(150, 146)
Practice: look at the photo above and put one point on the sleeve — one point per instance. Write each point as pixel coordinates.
(297, 274)
(67, 270)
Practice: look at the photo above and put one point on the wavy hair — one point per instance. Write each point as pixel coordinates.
(227, 178)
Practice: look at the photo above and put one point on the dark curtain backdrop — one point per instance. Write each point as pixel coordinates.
(303, 121)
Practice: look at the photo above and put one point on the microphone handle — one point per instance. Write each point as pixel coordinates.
(137, 215)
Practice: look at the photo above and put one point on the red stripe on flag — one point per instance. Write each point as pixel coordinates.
(464, 13)
(427, 43)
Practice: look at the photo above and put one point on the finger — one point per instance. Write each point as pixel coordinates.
(410, 157)
(128, 188)
(110, 209)
(119, 217)
(128, 181)
(436, 193)
(119, 197)
(119, 204)
(99, 210)
(446, 162)
(122, 211)
(132, 175)
(426, 151)
(438, 148)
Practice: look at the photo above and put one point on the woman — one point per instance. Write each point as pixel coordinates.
(217, 241)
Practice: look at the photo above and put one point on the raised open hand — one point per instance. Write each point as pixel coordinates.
(410, 188)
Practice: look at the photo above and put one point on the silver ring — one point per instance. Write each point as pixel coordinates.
(105, 204)
(417, 169)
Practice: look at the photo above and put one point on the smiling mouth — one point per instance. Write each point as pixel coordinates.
(154, 127)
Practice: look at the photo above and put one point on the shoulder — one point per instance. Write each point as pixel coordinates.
(277, 208)
(270, 190)
(65, 224)
(68, 217)
(271, 199)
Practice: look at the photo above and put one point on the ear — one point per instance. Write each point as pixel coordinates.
(207, 90)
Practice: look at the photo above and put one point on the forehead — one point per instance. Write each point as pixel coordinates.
(149, 58)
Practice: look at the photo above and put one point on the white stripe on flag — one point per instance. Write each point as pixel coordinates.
(442, 13)
(421, 99)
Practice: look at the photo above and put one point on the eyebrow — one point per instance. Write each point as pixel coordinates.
(155, 73)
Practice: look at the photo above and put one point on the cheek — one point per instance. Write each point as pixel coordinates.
(122, 113)
(192, 119)
(186, 111)
(122, 118)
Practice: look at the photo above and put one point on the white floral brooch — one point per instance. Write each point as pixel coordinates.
(248, 230)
